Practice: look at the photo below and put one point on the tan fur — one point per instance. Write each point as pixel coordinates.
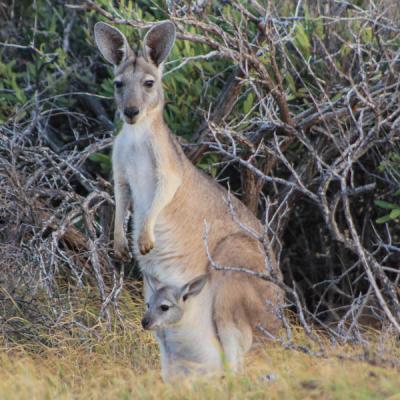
(171, 202)
(242, 303)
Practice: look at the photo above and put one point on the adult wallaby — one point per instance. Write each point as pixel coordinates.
(171, 198)
(189, 342)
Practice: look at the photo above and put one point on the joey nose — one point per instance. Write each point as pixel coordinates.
(131, 112)
(145, 323)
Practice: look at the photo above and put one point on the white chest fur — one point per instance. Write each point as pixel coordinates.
(133, 158)
(192, 346)
(139, 164)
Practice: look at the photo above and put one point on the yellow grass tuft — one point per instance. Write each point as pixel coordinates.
(122, 363)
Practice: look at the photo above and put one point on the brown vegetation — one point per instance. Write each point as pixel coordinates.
(297, 108)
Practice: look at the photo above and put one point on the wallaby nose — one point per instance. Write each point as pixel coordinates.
(145, 322)
(131, 112)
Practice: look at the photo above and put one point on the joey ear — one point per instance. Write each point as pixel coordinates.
(194, 287)
(158, 42)
(153, 282)
(112, 43)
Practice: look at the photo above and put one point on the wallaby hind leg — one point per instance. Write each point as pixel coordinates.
(235, 344)
(242, 302)
(233, 327)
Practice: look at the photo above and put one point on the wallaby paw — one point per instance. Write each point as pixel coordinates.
(146, 243)
(121, 249)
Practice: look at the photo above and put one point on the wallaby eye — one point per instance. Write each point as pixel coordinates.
(149, 83)
(164, 307)
(147, 305)
(118, 84)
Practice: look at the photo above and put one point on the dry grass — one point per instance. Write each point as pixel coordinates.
(123, 364)
(74, 373)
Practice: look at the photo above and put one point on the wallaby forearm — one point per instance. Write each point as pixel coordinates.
(122, 201)
(165, 191)
(166, 187)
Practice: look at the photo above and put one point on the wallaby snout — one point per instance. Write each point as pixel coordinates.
(130, 113)
(146, 323)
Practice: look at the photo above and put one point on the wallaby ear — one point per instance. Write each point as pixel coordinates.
(112, 43)
(153, 282)
(158, 42)
(194, 287)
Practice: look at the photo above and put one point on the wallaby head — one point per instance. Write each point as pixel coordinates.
(137, 77)
(167, 304)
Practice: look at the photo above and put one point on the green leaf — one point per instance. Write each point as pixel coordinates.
(345, 50)
(367, 35)
(99, 157)
(103, 160)
(207, 164)
(319, 28)
(291, 83)
(395, 213)
(386, 205)
(302, 42)
(384, 219)
(248, 103)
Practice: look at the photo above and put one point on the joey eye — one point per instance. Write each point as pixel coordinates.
(147, 305)
(118, 84)
(149, 83)
(164, 307)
